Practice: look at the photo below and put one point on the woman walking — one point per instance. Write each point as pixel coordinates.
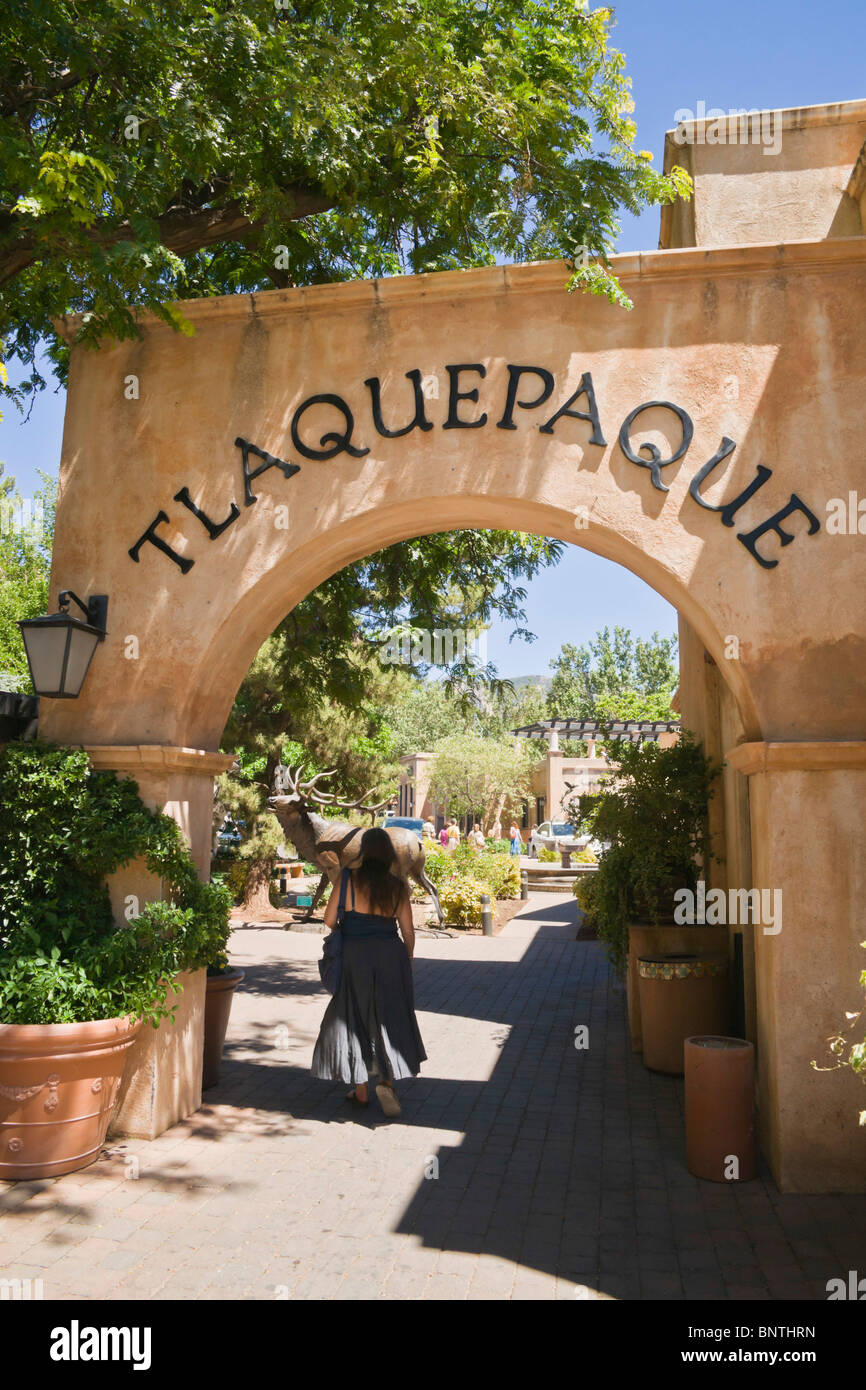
(516, 841)
(369, 1027)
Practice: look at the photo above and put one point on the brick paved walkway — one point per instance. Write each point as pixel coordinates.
(560, 1172)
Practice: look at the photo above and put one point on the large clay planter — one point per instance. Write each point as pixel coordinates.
(680, 996)
(218, 1006)
(58, 1084)
(720, 1108)
(648, 939)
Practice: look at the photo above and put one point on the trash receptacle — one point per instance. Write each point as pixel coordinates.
(681, 995)
(720, 1108)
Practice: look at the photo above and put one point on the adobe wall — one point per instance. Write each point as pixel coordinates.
(210, 482)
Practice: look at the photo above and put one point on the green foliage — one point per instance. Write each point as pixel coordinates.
(460, 899)
(25, 563)
(654, 812)
(64, 829)
(475, 773)
(502, 872)
(421, 716)
(615, 676)
(494, 873)
(584, 889)
(586, 856)
(846, 1052)
(548, 856)
(163, 151)
(234, 873)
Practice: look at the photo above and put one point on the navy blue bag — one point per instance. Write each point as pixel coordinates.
(331, 963)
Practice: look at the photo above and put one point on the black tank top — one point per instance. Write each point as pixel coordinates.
(365, 923)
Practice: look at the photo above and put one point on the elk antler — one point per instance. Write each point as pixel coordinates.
(359, 805)
(308, 786)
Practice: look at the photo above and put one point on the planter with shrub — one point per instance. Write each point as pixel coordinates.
(76, 985)
(653, 813)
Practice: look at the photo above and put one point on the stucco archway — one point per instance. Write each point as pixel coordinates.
(209, 482)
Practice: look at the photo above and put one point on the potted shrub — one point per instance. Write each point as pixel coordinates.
(653, 816)
(222, 981)
(76, 985)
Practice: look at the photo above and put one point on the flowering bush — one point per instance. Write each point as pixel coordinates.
(460, 897)
(500, 872)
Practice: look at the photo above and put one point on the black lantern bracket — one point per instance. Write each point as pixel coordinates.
(95, 609)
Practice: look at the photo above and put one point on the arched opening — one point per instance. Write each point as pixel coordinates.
(223, 663)
(487, 1080)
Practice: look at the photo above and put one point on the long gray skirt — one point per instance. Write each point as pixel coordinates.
(369, 1027)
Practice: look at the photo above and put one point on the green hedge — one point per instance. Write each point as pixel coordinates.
(64, 829)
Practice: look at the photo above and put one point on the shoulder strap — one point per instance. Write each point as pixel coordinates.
(341, 904)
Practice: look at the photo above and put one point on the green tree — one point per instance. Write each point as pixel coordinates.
(615, 676)
(26, 533)
(168, 149)
(475, 773)
(421, 716)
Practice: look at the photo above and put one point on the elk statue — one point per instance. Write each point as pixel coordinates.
(333, 845)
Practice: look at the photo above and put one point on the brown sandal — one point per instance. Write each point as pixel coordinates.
(350, 1095)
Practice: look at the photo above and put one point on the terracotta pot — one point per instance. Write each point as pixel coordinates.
(681, 995)
(664, 938)
(296, 870)
(217, 1007)
(720, 1108)
(58, 1083)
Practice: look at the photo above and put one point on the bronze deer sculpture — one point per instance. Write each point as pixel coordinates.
(333, 845)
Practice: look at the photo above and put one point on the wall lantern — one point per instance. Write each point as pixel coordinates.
(59, 647)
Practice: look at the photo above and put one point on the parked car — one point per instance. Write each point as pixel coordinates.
(403, 823)
(550, 834)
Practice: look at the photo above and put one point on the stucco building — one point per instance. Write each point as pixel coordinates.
(703, 440)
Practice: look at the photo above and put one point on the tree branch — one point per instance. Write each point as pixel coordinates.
(27, 92)
(181, 230)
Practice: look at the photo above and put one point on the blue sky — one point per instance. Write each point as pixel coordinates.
(740, 53)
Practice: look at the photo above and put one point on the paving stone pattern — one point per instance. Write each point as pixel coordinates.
(521, 1168)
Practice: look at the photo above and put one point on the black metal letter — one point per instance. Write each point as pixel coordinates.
(655, 462)
(150, 535)
(726, 448)
(751, 538)
(213, 528)
(420, 421)
(514, 375)
(455, 396)
(584, 389)
(340, 442)
(288, 469)
(730, 509)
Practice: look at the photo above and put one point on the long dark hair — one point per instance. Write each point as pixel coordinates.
(382, 889)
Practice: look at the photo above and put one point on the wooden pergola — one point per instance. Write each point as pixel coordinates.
(596, 730)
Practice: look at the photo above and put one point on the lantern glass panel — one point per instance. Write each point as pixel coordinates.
(46, 650)
(82, 645)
